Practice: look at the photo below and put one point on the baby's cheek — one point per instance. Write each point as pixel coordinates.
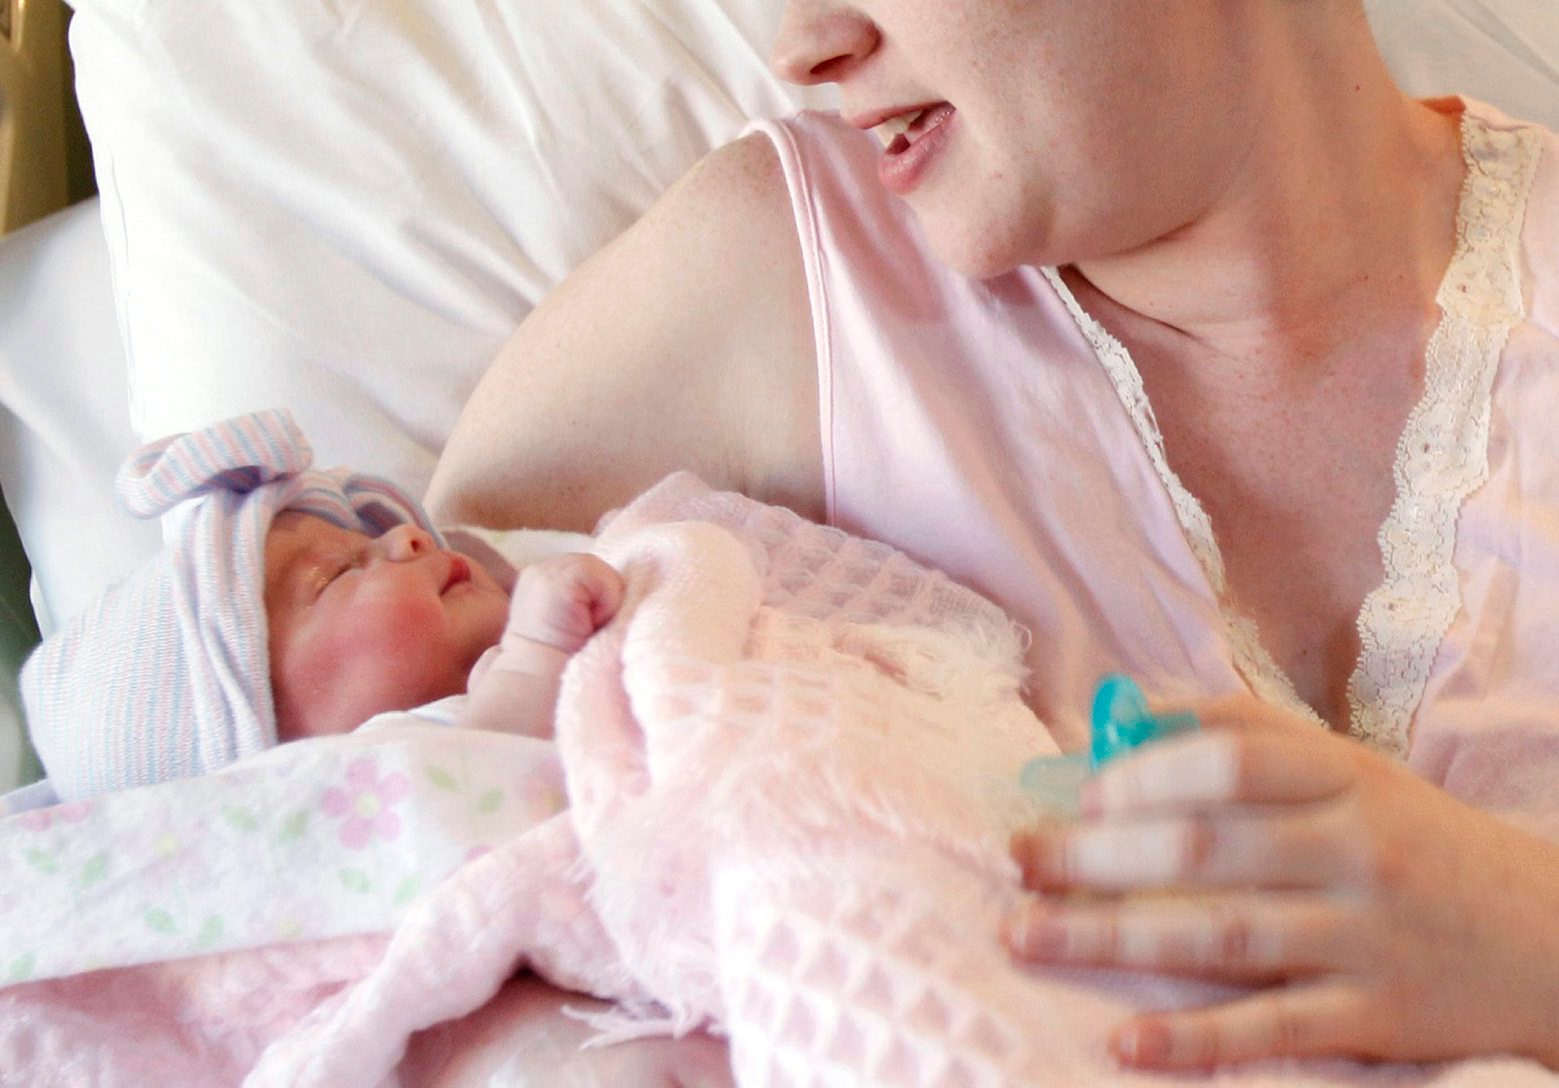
(401, 631)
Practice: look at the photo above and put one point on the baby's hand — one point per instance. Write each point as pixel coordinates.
(562, 600)
(558, 603)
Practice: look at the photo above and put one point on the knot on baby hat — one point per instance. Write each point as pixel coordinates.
(168, 673)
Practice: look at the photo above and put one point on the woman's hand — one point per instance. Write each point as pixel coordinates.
(1376, 915)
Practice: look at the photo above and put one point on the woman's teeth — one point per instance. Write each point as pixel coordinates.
(898, 126)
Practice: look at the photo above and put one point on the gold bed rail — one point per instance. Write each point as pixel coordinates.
(44, 165)
(36, 111)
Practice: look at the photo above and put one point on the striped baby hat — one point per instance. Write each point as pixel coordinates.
(168, 673)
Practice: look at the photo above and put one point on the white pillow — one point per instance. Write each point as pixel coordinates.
(63, 429)
(346, 207)
(65, 426)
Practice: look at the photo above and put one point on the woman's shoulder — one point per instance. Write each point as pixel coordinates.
(830, 170)
(1537, 169)
(740, 205)
(1542, 227)
(743, 178)
(685, 343)
(1509, 217)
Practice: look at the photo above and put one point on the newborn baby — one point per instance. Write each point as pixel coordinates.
(291, 602)
(360, 625)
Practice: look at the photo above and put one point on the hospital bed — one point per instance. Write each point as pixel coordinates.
(345, 207)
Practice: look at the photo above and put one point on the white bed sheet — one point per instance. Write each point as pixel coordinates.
(1504, 52)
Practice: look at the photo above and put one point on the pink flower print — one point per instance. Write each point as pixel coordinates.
(365, 804)
(41, 819)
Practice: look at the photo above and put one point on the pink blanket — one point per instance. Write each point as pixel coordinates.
(792, 769)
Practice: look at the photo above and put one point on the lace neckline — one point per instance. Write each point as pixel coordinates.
(1441, 458)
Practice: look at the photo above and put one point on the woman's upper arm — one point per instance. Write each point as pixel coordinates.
(684, 344)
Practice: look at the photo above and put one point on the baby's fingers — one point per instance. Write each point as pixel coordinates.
(562, 600)
(601, 585)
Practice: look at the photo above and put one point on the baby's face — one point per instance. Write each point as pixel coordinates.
(361, 625)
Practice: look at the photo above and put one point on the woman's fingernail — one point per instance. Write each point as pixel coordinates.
(1041, 857)
(1025, 851)
(1090, 799)
(1145, 1043)
(1030, 934)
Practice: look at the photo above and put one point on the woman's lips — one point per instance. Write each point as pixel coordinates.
(911, 153)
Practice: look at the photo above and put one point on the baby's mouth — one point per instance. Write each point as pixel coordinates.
(458, 574)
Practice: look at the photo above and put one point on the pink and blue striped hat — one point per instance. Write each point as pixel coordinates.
(167, 674)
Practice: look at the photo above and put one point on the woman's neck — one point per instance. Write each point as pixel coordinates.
(1344, 204)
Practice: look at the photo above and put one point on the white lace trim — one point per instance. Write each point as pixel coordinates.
(1442, 456)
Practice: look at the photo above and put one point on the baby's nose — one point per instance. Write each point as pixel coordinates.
(406, 542)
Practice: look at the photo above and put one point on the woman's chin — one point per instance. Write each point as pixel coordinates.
(973, 236)
(979, 255)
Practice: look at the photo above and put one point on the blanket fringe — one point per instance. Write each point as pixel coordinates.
(631, 1020)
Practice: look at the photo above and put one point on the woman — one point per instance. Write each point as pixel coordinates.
(1227, 362)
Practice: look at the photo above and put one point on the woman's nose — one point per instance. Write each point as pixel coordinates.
(405, 542)
(819, 41)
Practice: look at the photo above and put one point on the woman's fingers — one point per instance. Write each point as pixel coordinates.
(1219, 767)
(1304, 1020)
(1304, 862)
(1295, 847)
(1239, 937)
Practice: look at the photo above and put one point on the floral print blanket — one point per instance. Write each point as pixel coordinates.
(167, 935)
(327, 838)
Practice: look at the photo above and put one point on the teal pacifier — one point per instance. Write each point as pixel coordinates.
(1121, 723)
